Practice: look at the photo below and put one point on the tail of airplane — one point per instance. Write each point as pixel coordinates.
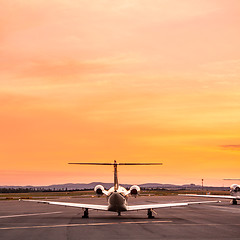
(115, 164)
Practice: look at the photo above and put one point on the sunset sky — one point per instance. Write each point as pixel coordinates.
(131, 80)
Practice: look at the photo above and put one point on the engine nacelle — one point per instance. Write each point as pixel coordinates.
(99, 190)
(134, 190)
(235, 188)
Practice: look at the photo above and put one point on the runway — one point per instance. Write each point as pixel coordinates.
(29, 220)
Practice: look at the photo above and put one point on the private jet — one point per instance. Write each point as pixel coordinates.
(117, 196)
(234, 194)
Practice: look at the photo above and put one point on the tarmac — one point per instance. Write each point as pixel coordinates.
(28, 220)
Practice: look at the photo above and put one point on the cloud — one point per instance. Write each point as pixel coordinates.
(231, 66)
(235, 147)
(64, 68)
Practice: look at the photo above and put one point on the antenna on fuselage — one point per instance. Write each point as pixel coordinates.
(115, 164)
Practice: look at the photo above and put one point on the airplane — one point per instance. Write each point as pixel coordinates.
(117, 196)
(234, 194)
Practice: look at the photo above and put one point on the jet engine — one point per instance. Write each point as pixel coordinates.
(99, 189)
(134, 190)
(235, 188)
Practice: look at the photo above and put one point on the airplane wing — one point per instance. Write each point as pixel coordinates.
(164, 205)
(129, 208)
(212, 196)
(66, 204)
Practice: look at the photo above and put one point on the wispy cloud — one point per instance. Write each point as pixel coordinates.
(231, 147)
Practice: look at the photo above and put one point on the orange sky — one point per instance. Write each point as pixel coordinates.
(135, 81)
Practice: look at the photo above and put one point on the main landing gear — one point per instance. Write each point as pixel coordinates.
(150, 213)
(85, 213)
(234, 202)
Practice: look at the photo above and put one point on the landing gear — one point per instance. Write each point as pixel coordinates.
(150, 212)
(85, 213)
(119, 213)
(234, 202)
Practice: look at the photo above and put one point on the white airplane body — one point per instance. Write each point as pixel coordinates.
(117, 196)
(234, 194)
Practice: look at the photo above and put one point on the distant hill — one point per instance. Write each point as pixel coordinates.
(82, 186)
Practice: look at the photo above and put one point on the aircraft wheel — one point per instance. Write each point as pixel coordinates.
(85, 213)
(150, 214)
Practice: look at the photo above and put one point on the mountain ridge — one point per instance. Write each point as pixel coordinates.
(82, 186)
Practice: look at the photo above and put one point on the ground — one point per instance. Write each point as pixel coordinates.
(29, 220)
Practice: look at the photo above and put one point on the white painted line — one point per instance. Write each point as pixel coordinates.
(29, 214)
(121, 223)
(229, 209)
(84, 224)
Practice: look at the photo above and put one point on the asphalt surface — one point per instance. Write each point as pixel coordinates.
(29, 220)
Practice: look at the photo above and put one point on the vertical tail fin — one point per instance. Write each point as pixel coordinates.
(115, 176)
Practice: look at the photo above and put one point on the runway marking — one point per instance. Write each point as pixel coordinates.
(227, 209)
(84, 224)
(29, 214)
(121, 223)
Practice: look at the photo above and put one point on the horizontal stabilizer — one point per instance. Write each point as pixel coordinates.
(117, 163)
(232, 179)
